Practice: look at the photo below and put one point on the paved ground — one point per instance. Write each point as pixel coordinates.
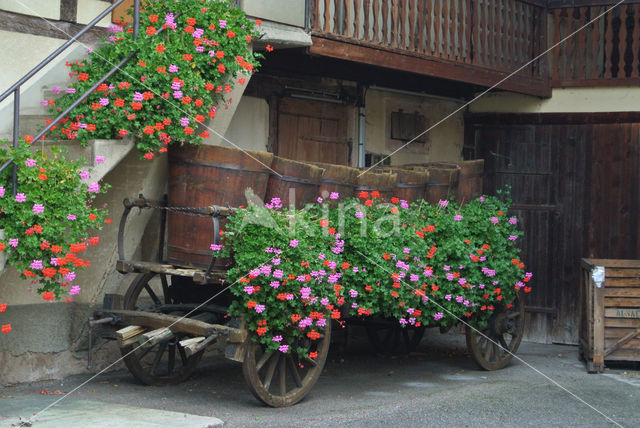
(436, 386)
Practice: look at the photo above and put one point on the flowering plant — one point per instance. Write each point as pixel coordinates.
(47, 223)
(417, 263)
(190, 54)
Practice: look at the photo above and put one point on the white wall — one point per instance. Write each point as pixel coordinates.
(249, 127)
(444, 141)
(567, 100)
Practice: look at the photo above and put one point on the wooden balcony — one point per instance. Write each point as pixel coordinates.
(604, 53)
(474, 41)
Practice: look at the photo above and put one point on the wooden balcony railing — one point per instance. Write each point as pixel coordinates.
(605, 53)
(475, 41)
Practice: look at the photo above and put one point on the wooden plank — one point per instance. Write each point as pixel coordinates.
(610, 322)
(356, 19)
(564, 119)
(376, 21)
(581, 54)
(421, 26)
(366, 10)
(635, 42)
(622, 292)
(327, 16)
(608, 45)
(197, 347)
(356, 52)
(598, 324)
(625, 341)
(555, 54)
(625, 355)
(178, 325)
(622, 302)
(622, 282)
(632, 313)
(411, 16)
(129, 331)
(437, 22)
(595, 47)
(622, 40)
(385, 27)
(156, 336)
(618, 332)
(192, 340)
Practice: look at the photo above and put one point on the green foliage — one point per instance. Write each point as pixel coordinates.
(190, 54)
(417, 263)
(49, 220)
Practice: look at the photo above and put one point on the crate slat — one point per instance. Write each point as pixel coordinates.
(610, 323)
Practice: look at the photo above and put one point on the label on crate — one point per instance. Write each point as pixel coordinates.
(623, 313)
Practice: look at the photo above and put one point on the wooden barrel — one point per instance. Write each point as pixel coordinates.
(411, 185)
(385, 183)
(297, 179)
(470, 181)
(201, 176)
(338, 178)
(443, 180)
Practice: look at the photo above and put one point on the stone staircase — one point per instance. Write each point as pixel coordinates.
(108, 152)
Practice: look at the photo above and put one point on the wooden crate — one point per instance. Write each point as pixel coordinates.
(610, 321)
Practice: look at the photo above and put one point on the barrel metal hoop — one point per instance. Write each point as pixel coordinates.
(409, 185)
(292, 179)
(379, 189)
(334, 181)
(221, 165)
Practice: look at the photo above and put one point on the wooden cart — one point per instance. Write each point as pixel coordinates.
(170, 314)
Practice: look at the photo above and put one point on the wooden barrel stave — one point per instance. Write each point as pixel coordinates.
(208, 175)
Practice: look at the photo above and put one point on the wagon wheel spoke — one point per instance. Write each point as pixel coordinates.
(165, 289)
(158, 357)
(273, 362)
(311, 360)
(278, 379)
(144, 352)
(265, 357)
(505, 331)
(283, 376)
(294, 371)
(171, 363)
(152, 294)
(183, 355)
(503, 342)
(157, 365)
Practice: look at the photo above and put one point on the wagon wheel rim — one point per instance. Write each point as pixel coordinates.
(389, 339)
(493, 347)
(281, 380)
(164, 363)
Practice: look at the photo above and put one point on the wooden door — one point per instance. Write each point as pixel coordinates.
(525, 159)
(315, 131)
(576, 190)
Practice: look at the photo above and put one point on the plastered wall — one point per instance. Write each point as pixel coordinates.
(444, 142)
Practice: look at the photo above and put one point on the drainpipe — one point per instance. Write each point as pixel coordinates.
(362, 126)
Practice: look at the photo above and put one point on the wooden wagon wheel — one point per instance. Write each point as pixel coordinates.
(281, 380)
(504, 332)
(165, 363)
(391, 338)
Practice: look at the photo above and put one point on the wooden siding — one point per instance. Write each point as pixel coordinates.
(576, 190)
(603, 53)
(478, 42)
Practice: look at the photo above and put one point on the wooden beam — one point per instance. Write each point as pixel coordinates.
(562, 4)
(178, 325)
(156, 336)
(552, 118)
(626, 338)
(25, 24)
(396, 59)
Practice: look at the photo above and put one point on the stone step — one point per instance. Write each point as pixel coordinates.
(109, 152)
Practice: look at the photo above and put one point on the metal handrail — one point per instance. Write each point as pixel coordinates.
(15, 88)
